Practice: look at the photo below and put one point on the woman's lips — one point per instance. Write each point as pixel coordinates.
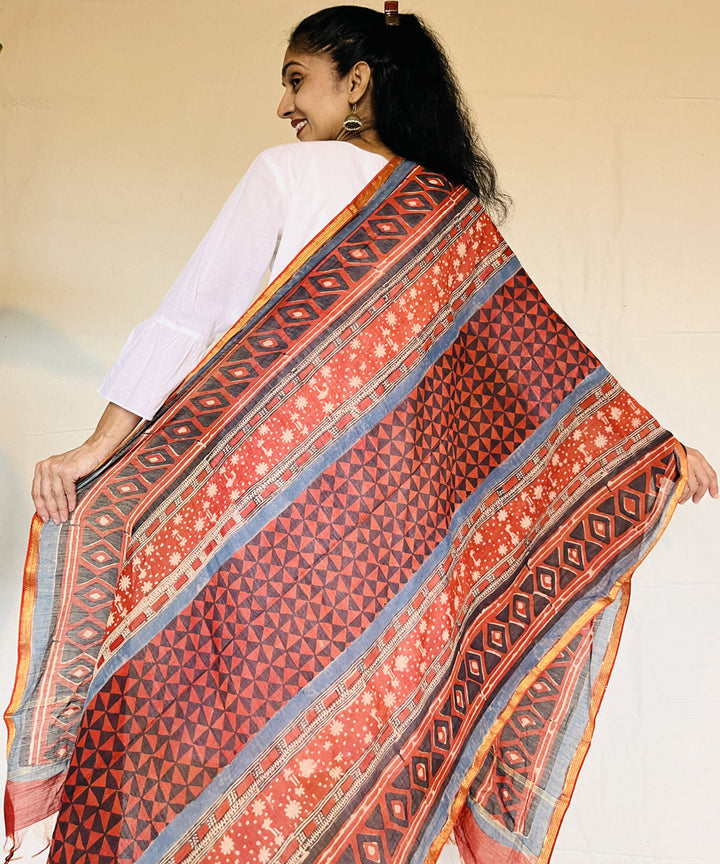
(298, 125)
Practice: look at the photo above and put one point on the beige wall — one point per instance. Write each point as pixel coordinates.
(124, 125)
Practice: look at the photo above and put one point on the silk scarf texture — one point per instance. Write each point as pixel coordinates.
(360, 582)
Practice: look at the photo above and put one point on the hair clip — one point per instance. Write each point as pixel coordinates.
(392, 16)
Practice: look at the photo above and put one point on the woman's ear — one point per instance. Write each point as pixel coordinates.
(359, 80)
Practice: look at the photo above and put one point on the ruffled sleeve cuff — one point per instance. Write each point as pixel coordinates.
(156, 353)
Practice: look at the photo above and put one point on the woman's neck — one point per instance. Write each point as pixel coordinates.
(367, 139)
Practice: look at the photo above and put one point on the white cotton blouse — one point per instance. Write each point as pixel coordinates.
(288, 195)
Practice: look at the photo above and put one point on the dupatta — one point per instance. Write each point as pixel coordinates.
(359, 583)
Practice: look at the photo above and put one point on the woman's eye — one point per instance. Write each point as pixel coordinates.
(295, 83)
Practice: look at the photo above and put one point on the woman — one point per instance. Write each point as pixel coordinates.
(322, 625)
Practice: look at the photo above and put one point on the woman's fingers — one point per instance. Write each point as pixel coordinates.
(701, 478)
(49, 490)
(53, 489)
(37, 495)
(54, 494)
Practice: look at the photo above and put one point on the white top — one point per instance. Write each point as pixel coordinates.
(288, 195)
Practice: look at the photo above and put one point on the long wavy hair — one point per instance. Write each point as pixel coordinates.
(419, 110)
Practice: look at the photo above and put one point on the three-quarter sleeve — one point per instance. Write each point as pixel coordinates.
(214, 289)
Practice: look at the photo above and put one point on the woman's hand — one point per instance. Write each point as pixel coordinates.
(701, 477)
(53, 488)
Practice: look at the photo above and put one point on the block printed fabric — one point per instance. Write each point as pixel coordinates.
(360, 582)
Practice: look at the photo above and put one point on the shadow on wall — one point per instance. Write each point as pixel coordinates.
(27, 338)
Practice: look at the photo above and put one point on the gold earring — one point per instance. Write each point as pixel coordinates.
(352, 123)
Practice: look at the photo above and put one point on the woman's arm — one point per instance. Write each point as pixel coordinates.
(213, 290)
(53, 488)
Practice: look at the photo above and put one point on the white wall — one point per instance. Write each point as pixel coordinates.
(125, 124)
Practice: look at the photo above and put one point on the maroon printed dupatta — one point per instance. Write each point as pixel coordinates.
(360, 582)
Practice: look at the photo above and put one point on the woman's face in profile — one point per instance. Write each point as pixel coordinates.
(315, 99)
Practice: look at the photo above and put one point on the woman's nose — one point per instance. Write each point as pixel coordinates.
(286, 106)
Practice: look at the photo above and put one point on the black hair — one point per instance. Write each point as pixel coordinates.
(419, 111)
